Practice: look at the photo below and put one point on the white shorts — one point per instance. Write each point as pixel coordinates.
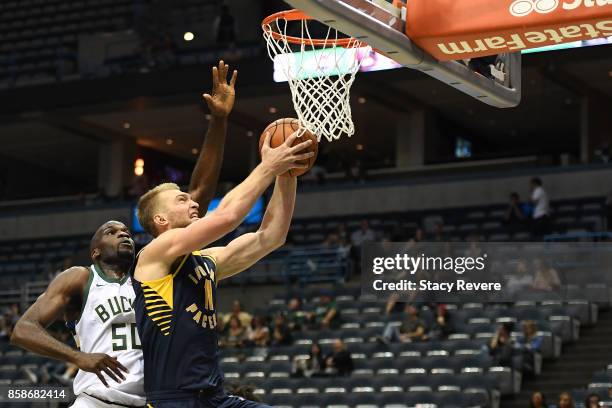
(85, 401)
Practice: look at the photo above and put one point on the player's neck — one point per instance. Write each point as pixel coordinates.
(115, 269)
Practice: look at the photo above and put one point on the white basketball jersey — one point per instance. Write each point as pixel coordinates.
(108, 325)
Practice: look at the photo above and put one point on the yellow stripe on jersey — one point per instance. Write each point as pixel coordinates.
(159, 288)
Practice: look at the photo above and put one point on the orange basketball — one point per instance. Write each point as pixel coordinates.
(280, 130)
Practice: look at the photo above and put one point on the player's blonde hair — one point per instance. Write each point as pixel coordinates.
(148, 205)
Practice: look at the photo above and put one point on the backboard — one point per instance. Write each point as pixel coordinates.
(383, 27)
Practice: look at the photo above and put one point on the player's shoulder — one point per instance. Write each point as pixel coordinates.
(75, 277)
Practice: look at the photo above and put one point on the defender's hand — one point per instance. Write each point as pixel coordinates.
(284, 157)
(221, 101)
(97, 363)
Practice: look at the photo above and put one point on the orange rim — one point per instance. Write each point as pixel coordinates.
(296, 15)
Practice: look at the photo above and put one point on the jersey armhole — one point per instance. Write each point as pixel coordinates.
(85, 293)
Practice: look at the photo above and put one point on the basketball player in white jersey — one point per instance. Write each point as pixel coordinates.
(99, 298)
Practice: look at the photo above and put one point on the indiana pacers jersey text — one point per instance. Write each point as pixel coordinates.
(177, 322)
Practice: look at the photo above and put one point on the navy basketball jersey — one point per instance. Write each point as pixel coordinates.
(177, 323)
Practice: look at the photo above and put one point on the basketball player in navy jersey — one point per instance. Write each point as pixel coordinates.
(175, 279)
(98, 300)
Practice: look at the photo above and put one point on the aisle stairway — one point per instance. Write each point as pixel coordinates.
(575, 366)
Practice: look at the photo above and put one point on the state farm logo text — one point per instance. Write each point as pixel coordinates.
(522, 8)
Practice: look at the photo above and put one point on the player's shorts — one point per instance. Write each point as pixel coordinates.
(214, 399)
(87, 401)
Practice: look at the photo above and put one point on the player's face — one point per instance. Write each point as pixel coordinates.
(180, 209)
(114, 242)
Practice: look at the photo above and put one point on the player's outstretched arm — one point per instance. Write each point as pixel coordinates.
(234, 207)
(62, 297)
(205, 175)
(247, 249)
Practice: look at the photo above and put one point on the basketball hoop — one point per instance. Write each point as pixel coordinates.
(320, 71)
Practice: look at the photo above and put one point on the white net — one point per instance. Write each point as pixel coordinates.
(320, 74)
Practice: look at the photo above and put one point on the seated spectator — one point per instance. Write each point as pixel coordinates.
(394, 306)
(565, 400)
(363, 235)
(312, 366)
(281, 335)
(296, 317)
(244, 317)
(500, 346)
(259, 335)
(592, 401)
(529, 343)
(520, 280)
(339, 362)
(332, 240)
(442, 326)
(342, 232)
(344, 248)
(236, 334)
(411, 329)
(546, 277)
(326, 314)
(538, 400)
(515, 216)
(438, 233)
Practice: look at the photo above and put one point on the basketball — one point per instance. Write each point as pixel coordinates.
(281, 129)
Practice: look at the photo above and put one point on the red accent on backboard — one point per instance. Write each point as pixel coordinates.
(458, 29)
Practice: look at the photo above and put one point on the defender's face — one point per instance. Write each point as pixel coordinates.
(115, 241)
(179, 209)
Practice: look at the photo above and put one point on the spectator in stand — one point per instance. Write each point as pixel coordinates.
(520, 280)
(419, 235)
(538, 400)
(312, 366)
(244, 317)
(546, 277)
(442, 326)
(500, 346)
(411, 329)
(565, 400)
(339, 362)
(529, 344)
(225, 26)
(356, 172)
(281, 334)
(438, 233)
(236, 335)
(363, 235)
(259, 335)
(332, 240)
(342, 232)
(394, 305)
(296, 317)
(592, 401)
(541, 211)
(326, 315)
(515, 216)
(4, 332)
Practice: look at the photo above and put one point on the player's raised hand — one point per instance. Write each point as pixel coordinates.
(221, 101)
(98, 362)
(285, 156)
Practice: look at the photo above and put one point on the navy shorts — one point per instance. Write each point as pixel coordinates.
(216, 399)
